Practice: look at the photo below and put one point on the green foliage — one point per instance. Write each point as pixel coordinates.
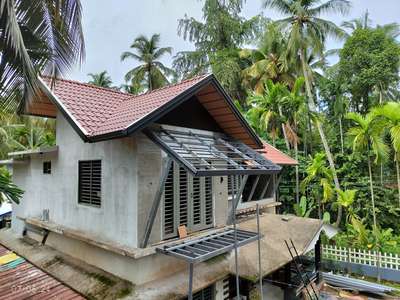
(304, 208)
(217, 39)
(151, 73)
(8, 190)
(369, 60)
(36, 37)
(101, 79)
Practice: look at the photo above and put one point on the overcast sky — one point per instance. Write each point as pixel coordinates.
(111, 26)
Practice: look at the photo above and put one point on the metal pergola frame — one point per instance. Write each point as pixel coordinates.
(209, 153)
(212, 154)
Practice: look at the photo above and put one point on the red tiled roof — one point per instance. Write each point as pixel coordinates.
(19, 279)
(98, 111)
(277, 156)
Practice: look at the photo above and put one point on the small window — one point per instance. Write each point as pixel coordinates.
(47, 167)
(90, 182)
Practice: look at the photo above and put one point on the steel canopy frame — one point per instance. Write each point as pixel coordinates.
(205, 153)
(205, 248)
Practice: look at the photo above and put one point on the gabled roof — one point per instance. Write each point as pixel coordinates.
(277, 156)
(100, 113)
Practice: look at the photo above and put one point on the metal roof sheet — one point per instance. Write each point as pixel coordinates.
(20, 279)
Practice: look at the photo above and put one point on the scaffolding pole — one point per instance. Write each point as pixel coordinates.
(259, 253)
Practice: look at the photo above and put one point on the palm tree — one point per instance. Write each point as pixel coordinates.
(36, 37)
(346, 199)
(362, 22)
(318, 172)
(267, 109)
(390, 112)
(268, 61)
(340, 107)
(100, 79)
(308, 32)
(367, 136)
(151, 72)
(294, 109)
(8, 190)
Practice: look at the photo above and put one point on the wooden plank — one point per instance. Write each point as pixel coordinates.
(215, 104)
(225, 118)
(211, 97)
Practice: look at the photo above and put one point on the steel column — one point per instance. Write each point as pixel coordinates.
(156, 204)
(190, 293)
(259, 253)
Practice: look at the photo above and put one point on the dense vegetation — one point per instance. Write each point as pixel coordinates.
(340, 121)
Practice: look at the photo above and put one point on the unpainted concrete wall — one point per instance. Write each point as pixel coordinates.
(115, 220)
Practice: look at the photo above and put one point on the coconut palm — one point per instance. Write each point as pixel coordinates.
(268, 61)
(390, 112)
(266, 112)
(307, 33)
(362, 22)
(151, 72)
(36, 37)
(100, 79)
(367, 137)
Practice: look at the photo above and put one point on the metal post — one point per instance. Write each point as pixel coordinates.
(236, 253)
(190, 294)
(259, 252)
(156, 204)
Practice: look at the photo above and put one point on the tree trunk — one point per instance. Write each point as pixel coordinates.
(398, 174)
(321, 132)
(341, 134)
(372, 189)
(296, 155)
(284, 130)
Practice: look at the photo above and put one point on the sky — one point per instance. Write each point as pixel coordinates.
(111, 26)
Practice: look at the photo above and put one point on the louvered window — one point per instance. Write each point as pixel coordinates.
(205, 294)
(89, 191)
(188, 201)
(233, 184)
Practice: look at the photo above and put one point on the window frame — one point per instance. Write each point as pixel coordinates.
(100, 192)
(47, 167)
(207, 221)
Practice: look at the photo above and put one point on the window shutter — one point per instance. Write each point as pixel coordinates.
(208, 201)
(196, 195)
(169, 218)
(90, 182)
(183, 197)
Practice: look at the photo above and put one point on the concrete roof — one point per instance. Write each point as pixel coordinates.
(275, 231)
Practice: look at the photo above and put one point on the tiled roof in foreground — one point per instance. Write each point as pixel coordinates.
(99, 111)
(20, 279)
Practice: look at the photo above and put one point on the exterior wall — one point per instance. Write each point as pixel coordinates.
(138, 271)
(115, 220)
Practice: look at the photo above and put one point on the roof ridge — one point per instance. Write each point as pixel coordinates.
(89, 85)
(173, 85)
(133, 97)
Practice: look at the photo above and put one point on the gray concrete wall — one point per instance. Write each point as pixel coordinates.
(115, 220)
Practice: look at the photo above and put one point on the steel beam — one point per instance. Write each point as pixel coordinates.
(253, 188)
(156, 204)
(236, 199)
(266, 188)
